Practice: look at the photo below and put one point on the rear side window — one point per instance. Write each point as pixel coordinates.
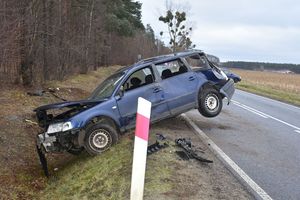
(171, 68)
(139, 78)
(197, 62)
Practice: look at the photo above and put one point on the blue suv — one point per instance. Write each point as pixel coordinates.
(174, 84)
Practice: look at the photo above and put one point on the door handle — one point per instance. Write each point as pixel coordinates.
(191, 78)
(156, 90)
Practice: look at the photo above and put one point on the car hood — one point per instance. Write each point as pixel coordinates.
(68, 104)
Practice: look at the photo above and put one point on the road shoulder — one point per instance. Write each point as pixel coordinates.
(252, 187)
(193, 179)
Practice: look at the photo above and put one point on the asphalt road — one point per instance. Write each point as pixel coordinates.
(263, 137)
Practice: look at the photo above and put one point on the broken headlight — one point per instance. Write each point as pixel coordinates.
(59, 127)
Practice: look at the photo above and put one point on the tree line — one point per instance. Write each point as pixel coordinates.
(48, 39)
(262, 66)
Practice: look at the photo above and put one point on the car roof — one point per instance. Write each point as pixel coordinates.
(172, 56)
(159, 59)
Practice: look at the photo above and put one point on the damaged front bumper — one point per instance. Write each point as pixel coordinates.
(58, 141)
(46, 142)
(228, 90)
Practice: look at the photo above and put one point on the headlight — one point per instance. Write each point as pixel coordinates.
(59, 127)
(67, 126)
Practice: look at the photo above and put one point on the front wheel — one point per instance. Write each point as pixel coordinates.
(99, 137)
(210, 103)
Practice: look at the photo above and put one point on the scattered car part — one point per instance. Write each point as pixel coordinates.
(42, 92)
(186, 145)
(158, 144)
(36, 93)
(31, 122)
(52, 91)
(156, 147)
(160, 136)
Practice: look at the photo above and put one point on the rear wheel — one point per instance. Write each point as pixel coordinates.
(99, 138)
(210, 102)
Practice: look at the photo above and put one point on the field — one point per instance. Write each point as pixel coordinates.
(283, 87)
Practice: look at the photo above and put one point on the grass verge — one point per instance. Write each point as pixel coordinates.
(108, 175)
(282, 87)
(280, 95)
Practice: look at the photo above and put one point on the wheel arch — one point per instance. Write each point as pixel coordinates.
(204, 86)
(94, 120)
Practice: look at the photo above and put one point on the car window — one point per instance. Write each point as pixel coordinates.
(171, 68)
(139, 78)
(106, 88)
(197, 62)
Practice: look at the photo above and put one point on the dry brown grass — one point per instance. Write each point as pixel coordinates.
(287, 82)
(87, 82)
(285, 87)
(20, 174)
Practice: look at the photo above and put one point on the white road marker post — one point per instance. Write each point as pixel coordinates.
(140, 149)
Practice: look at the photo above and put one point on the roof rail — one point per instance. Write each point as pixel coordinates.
(151, 59)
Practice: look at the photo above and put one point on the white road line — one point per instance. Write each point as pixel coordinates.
(298, 131)
(250, 110)
(253, 187)
(269, 116)
(291, 107)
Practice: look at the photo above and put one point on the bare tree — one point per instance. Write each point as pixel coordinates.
(48, 39)
(25, 63)
(179, 33)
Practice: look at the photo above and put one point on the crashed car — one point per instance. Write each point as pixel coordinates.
(174, 84)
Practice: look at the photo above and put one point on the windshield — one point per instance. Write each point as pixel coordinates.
(107, 87)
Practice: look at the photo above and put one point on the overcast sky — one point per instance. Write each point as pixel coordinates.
(249, 30)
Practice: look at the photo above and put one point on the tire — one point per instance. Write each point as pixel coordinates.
(99, 138)
(210, 102)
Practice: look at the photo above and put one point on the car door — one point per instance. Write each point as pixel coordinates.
(141, 83)
(179, 84)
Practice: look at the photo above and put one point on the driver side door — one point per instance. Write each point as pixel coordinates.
(141, 83)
